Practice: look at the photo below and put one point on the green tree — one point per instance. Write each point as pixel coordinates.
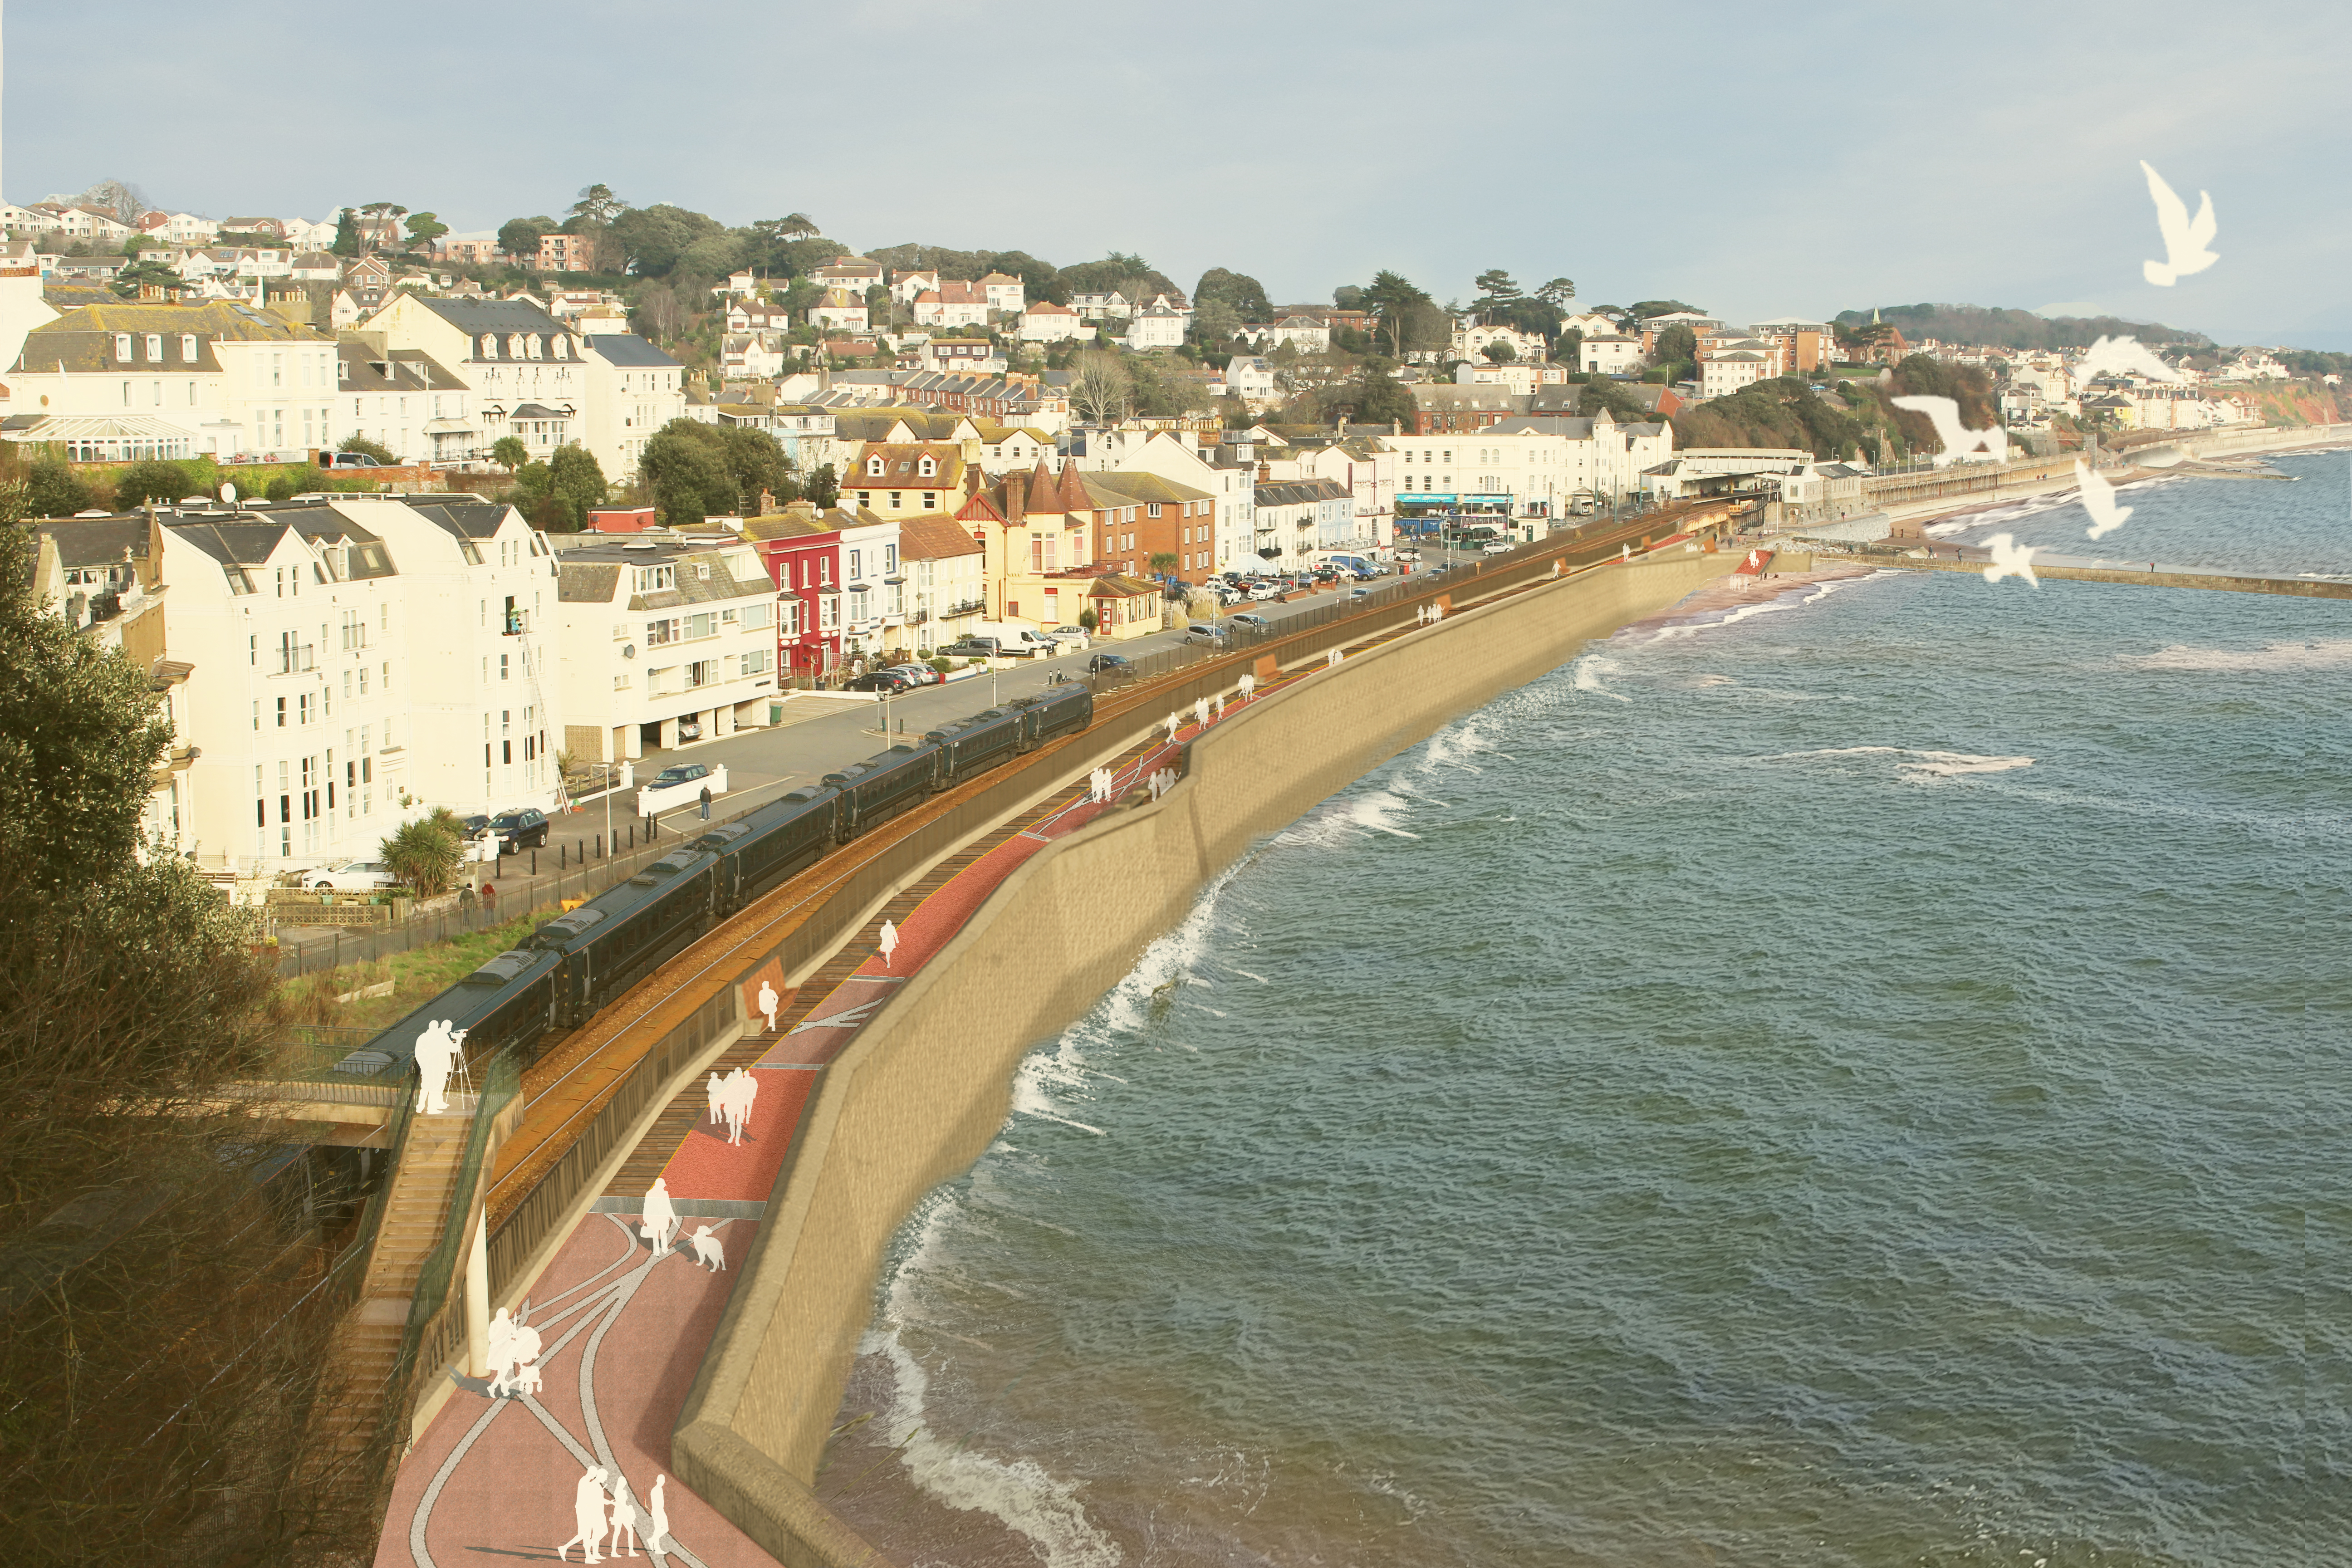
(1643, 310)
(1347, 297)
(597, 206)
(1240, 291)
(1495, 287)
(509, 453)
(575, 483)
(685, 468)
(158, 481)
(1676, 344)
(824, 487)
(153, 1341)
(423, 857)
(1501, 353)
(519, 236)
(424, 228)
(1559, 292)
(145, 274)
(1215, 321)
(347, 234)
(1395, 300)
(367, 448)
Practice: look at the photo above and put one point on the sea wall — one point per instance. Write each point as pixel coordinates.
(919, 1095)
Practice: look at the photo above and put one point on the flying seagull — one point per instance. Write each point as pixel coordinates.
(2123, 356)
(1958, 438)
(2099, 501)
(2009, 559)
(2184, 241)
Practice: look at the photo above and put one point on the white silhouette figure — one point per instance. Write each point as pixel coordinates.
(1958, 440)
(1248, 686)
(1201, 712)
(499, 1353)
(588, 1501)
(769, 1001)
(1437, 612)
(2009, 559)
(660, 1217)
(1624, 553)
(524, 1382)
(522, 1351)
(890, 942)
(717, 1090)
(1333, 658)
(1217, 708)
(742, 1088)
(1175, 724)
(658, 1507)
(626, 1518)
(2184, 239)
(437, 1053)
(2123, 356)
(707, 1251)
(2099, 501)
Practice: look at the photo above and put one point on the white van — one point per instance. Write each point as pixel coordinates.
(1017, 641)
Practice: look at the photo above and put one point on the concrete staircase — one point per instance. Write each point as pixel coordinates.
(415, 1218)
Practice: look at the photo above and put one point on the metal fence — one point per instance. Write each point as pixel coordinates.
(535, 1217)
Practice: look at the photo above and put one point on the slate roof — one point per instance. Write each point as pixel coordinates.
(629, 349)
(362, 370)
(501, 316)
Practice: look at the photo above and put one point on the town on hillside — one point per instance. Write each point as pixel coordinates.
(441, 513)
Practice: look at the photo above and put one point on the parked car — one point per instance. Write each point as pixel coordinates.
(1501, 547)
(1255, 622)
(347, 460)
(920, 674)
(352, 877)
(522, 828)
(1207, 631)
(1106, 664)
(974, 648)
(689, 729)
(1071, 637)
(680, 772)
(888, 681)
(1261, 591)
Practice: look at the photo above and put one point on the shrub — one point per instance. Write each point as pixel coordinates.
(157, 482)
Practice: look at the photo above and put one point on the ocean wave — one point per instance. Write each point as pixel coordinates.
(2274, 658)
(1917, 765)
(1795, 598)
(1591, 670)
(1020, 1493)
(1338, 821)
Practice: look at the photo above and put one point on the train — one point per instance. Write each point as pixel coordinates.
(578, 962)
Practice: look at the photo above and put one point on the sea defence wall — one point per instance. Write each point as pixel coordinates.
(919, 1095)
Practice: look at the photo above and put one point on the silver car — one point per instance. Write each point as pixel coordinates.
(352, 877)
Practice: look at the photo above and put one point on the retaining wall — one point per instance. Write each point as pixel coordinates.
(920, 1094)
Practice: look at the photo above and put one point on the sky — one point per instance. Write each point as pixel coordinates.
(1755, 160)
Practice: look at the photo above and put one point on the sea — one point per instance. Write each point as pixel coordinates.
(1859, 1079)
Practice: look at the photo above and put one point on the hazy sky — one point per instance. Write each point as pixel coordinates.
(1753, 160)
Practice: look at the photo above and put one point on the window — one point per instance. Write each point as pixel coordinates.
(660, 632)
(122, 346)
(755, 662)
(701, 626)
(1153, 509)
(927, 468)
(702, 672)
(655, 579)
(874, 465)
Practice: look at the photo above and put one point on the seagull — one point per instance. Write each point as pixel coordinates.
(2009, 559)
(2184, 241)
(1958, 438)
(2099, 501)
(2123, 356)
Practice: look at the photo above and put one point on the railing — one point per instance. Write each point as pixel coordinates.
(540, 1212)
(436, 1315)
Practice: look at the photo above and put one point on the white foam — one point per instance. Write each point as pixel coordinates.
(1592, 668)
(1795, 598)
(1020, 1493)
(2275, 657)
(1915, 766)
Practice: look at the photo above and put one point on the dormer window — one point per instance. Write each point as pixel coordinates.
(562, 348)
(514, 346)
(531, 345)
(188, 347)
(155, 347)
(489, 346)
(122, 347)
(875, 468)
(927, 468)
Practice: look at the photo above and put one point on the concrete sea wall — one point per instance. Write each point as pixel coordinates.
(918, 1097)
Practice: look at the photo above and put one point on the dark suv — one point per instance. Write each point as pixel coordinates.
(524, 828)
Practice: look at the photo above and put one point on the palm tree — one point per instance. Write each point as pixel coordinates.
(423, 856)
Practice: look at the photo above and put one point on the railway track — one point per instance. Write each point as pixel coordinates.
(565, 1088)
